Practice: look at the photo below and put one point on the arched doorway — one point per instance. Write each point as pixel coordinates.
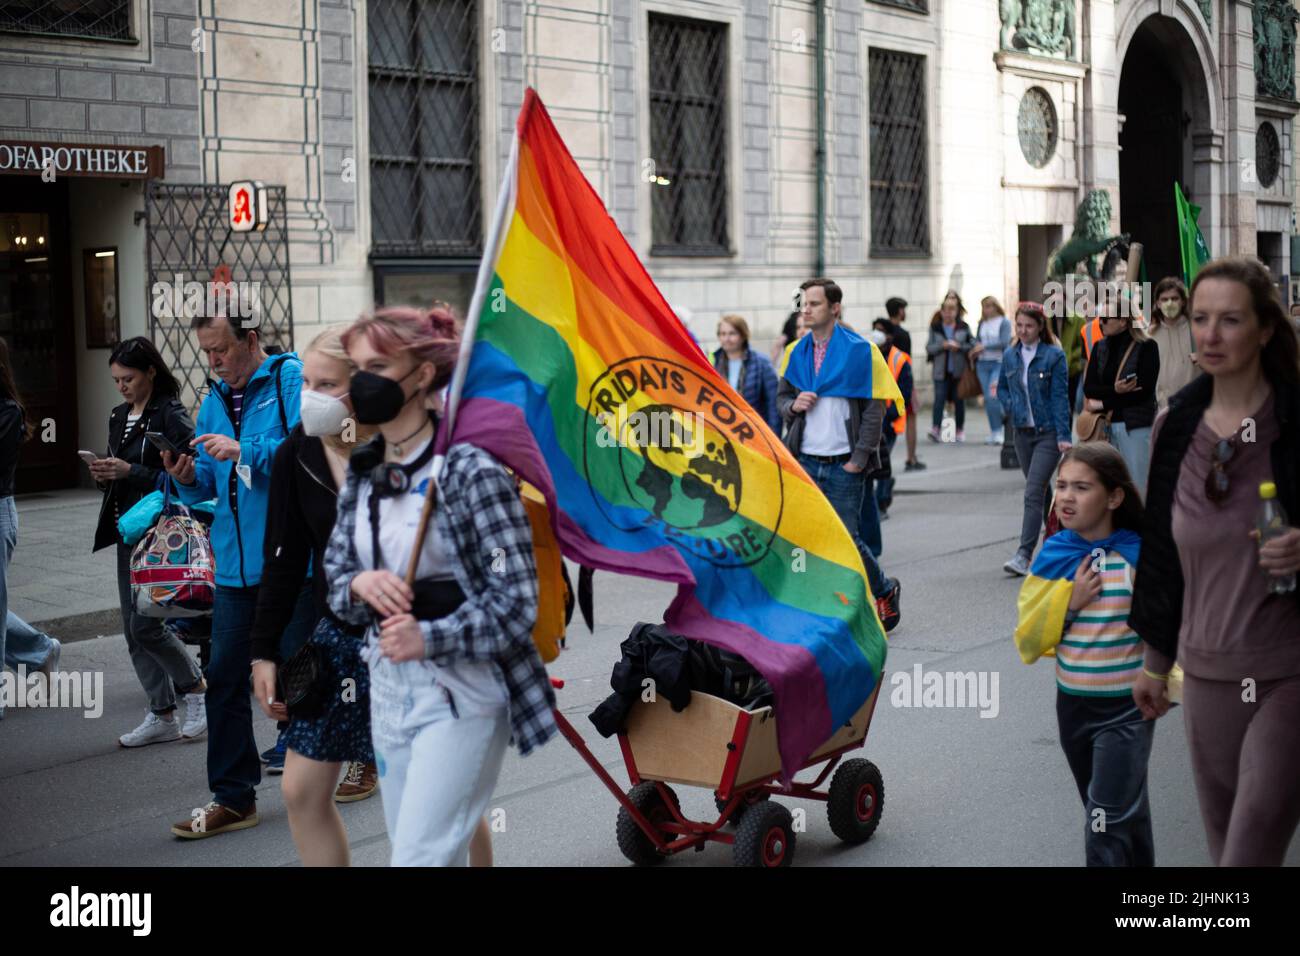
(1164, 106)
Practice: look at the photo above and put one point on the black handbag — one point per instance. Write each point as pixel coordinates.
(303, 682)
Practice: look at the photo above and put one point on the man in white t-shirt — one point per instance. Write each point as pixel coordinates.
(835, 439)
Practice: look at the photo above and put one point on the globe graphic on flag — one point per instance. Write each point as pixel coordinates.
(687, 480)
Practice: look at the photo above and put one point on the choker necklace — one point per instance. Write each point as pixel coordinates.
(397, 445)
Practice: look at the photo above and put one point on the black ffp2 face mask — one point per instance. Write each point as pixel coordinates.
(377, 399)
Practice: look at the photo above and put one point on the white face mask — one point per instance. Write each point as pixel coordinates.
(323, 414)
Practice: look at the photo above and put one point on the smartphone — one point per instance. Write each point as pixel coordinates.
(163, 443)
(89, 457)
(1131, 377)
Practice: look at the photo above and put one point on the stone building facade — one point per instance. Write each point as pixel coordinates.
(954, 142)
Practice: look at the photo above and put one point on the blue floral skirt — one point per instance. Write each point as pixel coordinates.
(342, 732)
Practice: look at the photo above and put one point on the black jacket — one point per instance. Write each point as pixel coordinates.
(300, 512)
(1131, 409)
(162, 414)
(1157, 612)
(13, 429)
(676, 665)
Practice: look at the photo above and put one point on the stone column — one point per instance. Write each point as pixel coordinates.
(1101, 122)
(260, 99)
(1237, 202)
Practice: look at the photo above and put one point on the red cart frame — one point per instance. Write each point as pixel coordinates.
(671, 832)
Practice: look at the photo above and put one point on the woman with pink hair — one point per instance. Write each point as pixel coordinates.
(453, 670)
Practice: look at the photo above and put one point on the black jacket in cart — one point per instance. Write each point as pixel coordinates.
(677, 665)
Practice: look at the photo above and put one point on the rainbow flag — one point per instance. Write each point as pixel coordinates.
(583, 381)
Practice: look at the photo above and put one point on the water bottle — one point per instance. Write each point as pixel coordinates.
(1272, 523)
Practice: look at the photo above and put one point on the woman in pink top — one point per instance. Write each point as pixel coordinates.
(1206, 600)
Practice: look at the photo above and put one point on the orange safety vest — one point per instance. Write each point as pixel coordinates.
(1091, 335)
(897, 359)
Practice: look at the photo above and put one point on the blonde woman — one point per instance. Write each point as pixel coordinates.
(748, 372)
(308, 470)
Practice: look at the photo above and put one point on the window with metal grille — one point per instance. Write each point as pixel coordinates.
(85, 19)
(688, 137)
(920, 6)
(900, 213)
(424, 127)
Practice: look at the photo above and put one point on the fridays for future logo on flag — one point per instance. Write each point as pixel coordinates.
(570, 341)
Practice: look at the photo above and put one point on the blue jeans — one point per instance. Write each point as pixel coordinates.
(20, 643)
(869, 519)
(1036, 450)
(1135, 447)
(437, 766)
(1107, 745)
(885, 486)
(945, 390)
(988, 373)
(234, 770)
(844, 492)
(24, 645)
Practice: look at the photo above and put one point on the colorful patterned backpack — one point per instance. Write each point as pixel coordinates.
(172, 571)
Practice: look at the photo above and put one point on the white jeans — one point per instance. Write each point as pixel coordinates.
(437, 767)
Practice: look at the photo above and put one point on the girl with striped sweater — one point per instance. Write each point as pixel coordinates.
(1075, 606)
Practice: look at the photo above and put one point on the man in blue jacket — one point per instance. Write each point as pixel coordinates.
(243, 420)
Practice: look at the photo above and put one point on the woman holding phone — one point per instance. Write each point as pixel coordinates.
(1121, 379)
(129, 472)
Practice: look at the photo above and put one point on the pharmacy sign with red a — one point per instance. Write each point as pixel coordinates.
(246, 210)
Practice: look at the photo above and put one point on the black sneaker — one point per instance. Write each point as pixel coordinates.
(917, 465)
(889, 606)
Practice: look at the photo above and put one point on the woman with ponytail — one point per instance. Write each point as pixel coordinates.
(453, 670)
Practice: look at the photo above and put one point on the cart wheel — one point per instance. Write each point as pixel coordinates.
(856, 800)
(741, 807)
(765, 837)
(632, 841)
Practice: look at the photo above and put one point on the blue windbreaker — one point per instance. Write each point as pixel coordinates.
(240, 522)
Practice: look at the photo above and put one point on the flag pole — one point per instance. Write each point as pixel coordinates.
(486, 268)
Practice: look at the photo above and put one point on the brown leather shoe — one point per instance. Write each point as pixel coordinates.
(360, 781)
(214, 819)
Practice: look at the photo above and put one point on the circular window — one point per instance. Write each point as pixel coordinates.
(1268, 155)
(1038, 130)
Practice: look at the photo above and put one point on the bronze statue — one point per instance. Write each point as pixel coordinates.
(1089, 239)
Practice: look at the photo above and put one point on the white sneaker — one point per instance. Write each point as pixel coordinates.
(196, 717)
(1019, 565)
(154, 730)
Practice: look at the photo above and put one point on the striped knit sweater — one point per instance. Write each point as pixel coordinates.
(1100, 655)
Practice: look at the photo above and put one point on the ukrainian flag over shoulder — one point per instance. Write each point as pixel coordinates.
(853, 368)
(1045, 594)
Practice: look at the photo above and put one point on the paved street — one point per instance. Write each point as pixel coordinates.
(960, 789)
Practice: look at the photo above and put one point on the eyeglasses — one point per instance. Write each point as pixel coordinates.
(1216, 479)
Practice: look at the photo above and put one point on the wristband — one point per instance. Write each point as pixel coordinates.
(1159, 677)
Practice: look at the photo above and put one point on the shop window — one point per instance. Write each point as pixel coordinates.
(81, 19)
(424, 127)
(688, 137)
(900, 212)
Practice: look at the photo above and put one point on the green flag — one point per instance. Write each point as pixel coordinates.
(1195, 252)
